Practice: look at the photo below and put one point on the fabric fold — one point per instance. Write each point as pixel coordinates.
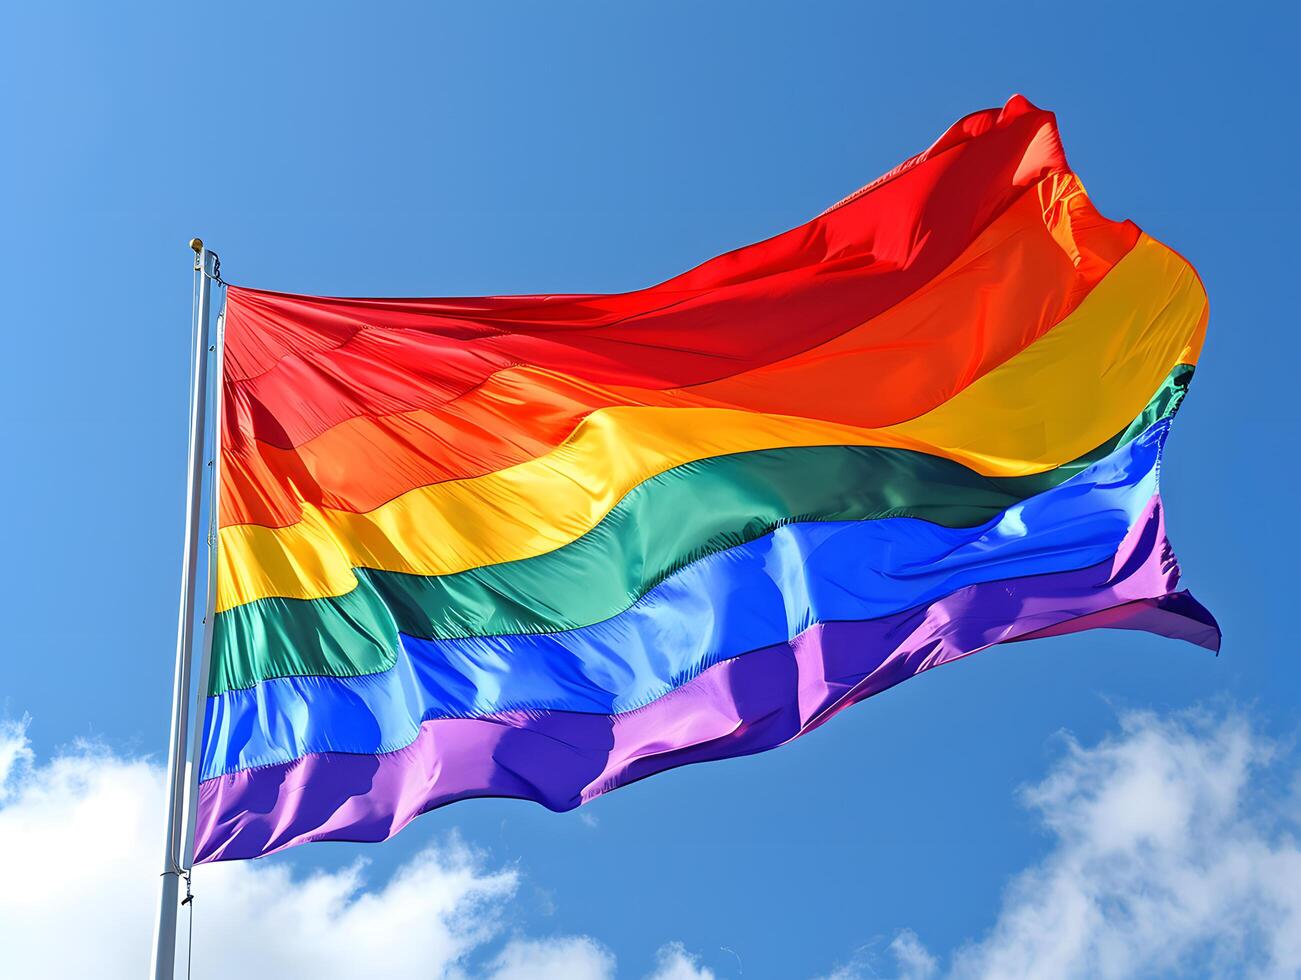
(543, 546)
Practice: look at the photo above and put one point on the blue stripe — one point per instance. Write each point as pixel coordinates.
(725, 604)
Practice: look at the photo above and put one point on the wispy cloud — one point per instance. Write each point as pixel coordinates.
(915, 962)
(675, 963)
(1173, 850)
(79, 837)
(574, 958)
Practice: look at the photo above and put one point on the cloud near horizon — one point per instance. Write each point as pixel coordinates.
(78, 842)
(1173, 852)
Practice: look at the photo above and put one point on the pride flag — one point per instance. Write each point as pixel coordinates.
(543, 546)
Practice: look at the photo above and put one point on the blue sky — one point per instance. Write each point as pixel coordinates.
(399, 149)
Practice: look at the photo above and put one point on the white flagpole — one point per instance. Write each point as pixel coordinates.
(175, 863)
(216, 348)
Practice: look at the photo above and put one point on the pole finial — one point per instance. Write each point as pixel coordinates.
(197, 245)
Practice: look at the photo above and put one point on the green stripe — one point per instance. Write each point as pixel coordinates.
(662, 524)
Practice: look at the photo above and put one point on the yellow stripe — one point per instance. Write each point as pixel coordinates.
(1069, 391)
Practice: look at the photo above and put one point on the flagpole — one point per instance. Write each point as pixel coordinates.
(217, 350)
(175, 863)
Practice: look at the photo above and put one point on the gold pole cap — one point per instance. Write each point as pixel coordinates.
(197, 245)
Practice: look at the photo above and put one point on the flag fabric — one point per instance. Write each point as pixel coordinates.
(544, 546)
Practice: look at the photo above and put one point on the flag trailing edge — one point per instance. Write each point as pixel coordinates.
(544, 546)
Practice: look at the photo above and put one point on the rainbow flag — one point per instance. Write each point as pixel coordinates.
(543, 546)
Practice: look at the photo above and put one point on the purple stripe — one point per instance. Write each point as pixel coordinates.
(741, 706)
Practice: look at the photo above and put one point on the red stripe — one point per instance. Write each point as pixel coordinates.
(1023, 273)
(297, 366)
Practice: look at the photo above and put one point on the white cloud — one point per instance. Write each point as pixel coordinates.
(79, 842)
(915, 962)
(574, 958)
(1173, 850)
(440, 907)
(14, 753)
(673, 962)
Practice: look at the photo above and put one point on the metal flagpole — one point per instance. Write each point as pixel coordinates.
(175, 862)
(217, 349)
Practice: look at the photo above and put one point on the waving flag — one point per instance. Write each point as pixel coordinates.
(543, 546)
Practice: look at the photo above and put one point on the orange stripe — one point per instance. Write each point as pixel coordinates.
(1023, 274)
(1057, 399)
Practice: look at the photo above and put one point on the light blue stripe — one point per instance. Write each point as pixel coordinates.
(728, 603)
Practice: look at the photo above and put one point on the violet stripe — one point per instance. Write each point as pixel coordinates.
(738, 707)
